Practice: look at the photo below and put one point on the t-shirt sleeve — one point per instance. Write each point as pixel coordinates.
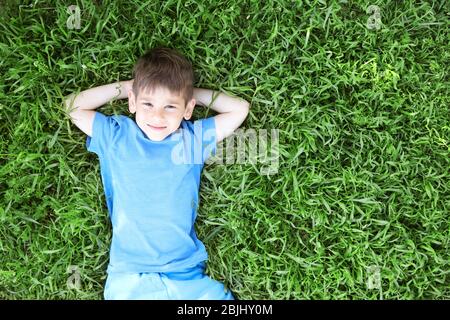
(205, 131)
(104, 129)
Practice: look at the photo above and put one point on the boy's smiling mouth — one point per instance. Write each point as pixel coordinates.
(156, 128)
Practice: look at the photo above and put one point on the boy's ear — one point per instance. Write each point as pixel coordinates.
(189, 109)
(131, 102)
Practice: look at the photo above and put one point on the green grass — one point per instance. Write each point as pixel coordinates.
(364, 125)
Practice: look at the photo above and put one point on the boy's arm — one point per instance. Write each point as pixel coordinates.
(233, 111)
(81, 107)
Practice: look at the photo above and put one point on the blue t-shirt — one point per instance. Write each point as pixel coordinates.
(151, 190)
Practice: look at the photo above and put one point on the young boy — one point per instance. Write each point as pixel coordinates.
(150, 170)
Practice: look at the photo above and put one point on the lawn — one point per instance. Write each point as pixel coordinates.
(358, 206)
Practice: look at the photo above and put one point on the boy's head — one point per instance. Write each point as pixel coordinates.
(162, 92)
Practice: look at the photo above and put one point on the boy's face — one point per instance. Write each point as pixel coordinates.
(160, 112)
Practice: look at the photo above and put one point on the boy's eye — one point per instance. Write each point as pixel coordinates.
(150, 105)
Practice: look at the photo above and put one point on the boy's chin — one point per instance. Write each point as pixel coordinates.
(157, 137)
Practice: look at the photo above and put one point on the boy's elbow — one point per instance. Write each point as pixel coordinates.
(246, 107)
(243, 111)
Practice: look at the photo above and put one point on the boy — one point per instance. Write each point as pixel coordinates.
(150, 171)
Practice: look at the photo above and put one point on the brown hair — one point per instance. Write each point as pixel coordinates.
(164, 67)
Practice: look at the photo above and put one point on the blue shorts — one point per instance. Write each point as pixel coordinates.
(190, 284)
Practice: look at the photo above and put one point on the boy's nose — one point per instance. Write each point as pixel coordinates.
(158, 115)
